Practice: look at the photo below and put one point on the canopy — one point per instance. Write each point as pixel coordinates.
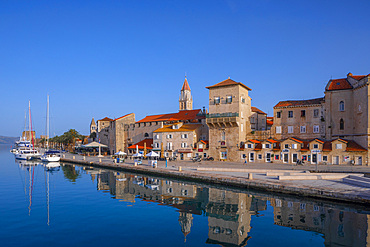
(152, 154)
(137, 155)
(94, 145)
(120, 153)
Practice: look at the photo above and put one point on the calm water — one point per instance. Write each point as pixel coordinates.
(77, 206)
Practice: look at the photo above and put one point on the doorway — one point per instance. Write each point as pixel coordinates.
(335, 160)
(286, 158)
(314, 158)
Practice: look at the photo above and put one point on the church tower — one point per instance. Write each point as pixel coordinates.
(185, 101)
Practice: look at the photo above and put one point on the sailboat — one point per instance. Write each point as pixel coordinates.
(27, 151)
(49, 155)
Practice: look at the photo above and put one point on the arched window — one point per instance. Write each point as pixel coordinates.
(146, 135)
(341, 124)
(341, 106)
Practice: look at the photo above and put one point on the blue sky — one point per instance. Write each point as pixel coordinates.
(110, 58)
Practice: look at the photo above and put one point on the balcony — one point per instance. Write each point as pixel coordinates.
(227, 119)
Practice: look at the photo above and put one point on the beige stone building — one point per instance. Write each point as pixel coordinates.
(118, 133)
(228, 119)
(303, 118)
(347, 109)
(177, 139)
(258, 119)
(103, 130)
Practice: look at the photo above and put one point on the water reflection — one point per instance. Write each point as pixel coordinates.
(230, 212)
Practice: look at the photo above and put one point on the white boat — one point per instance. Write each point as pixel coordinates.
(49, 155)
(24, 148)
(27, 154)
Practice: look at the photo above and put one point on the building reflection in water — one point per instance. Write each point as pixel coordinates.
(229, 213)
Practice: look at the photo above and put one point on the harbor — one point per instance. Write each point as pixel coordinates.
(337, 183)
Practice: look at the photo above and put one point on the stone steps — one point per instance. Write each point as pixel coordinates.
(357, 180)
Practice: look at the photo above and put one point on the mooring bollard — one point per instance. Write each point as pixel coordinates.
(135, 163)
(100, 160)
(64, 155)
(84, 158)
(180, 169)
(74, 157)
(250, 176)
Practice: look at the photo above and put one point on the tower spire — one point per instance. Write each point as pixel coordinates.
(185, 101)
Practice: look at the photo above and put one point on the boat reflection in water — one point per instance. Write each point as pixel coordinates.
(230, 212)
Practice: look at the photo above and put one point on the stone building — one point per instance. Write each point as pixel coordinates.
(303, 118)
(93, 127)
(347, 109)
(118, 133)
(177, 139)
(258, 119)
(228, 119)
(103, 130)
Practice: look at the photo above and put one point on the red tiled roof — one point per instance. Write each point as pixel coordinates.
(180, 116)
(254, 141)
(140, 144)
(123, 116)
(185, 86)
(296, 139)
(258, 146)
(327, 146)
(106, 119)
(228, 82)
(255, 109)
(358, 77)
(353, 146)
(272, 141)
(294, 103)
(269, 122)
(339, 84)
(205, 142)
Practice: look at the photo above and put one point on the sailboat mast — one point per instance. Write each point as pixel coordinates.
(29, 112)
(47, 124)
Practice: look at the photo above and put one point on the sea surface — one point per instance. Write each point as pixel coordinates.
(70, 205)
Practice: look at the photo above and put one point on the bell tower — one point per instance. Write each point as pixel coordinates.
(185, 101)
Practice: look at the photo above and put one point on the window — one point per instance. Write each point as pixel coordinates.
(315, 146)
(325, 158)
(184, 136)
(184, 145)
(267, 145)
(156, 145)
(241, 127)
(184, 192)
(146, 135)
(249, 145)
(169, 146)
(286, 146)
(217, 100)
(316, 113)
(303, 129)
(294, 146)
(290, 129)
(341, 106)
(316, 129)
(338, 146)
(243, 100)
(341, 124)
(156, 137)
(278, 114)
(223, 136)
(200, 145)
(290, 114)
(278, 129)
(229, 99)
(169, 136)
(175, 126)
(260, 156)
(241, 114)
(303, 113)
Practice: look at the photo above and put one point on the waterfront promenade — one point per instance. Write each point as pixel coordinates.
(322, 181)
